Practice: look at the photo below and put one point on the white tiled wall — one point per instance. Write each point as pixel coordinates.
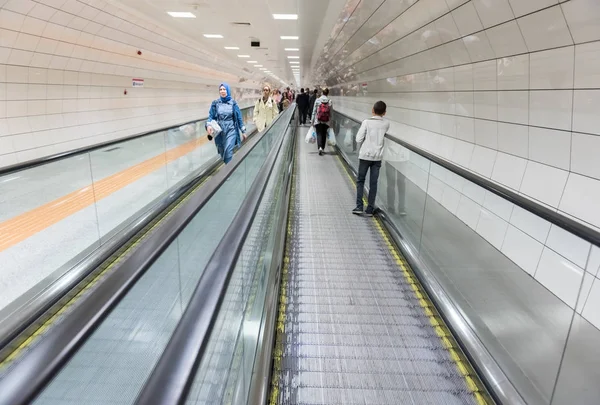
(64, 66)
(509, 89)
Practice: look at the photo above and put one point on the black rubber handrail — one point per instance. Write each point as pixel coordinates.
(553, 217)
(87, 149)
(174, 373)
(29, 374)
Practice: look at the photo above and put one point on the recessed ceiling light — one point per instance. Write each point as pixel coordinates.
(293, 57)
(181, 14)
(243, 56)
(292, 49)
(257, 65)
(213, 36)
(251, 61)
(232, 48)
(285, 16)
(263, 68)
(294, 62)
(288, 37)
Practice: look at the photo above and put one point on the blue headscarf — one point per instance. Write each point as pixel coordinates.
(228, 97)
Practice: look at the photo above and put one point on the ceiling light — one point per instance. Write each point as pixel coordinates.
(292, 49)
(251, 61)
(285, 16)
(213, 36)
(293, 57)
(294, 62)
(288, 37)
(263, 68)
(257, 65)
(232, 48)
(181, 14)
(243, 56)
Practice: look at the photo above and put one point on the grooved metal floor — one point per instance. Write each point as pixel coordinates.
(354, 332)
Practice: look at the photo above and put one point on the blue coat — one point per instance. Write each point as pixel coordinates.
(229, 117)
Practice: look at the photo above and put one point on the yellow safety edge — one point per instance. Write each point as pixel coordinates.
(462, 364)
(281, 317)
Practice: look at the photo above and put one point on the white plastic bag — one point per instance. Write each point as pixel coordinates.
(216, 129)
(331, 137)
(311, 136)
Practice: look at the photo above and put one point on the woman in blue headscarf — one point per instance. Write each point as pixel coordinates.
(227, 114)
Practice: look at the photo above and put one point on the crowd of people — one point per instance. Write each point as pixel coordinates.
(226, 126)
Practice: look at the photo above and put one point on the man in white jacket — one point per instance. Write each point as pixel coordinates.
(371, 134)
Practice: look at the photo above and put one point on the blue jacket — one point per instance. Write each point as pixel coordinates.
(227, 126)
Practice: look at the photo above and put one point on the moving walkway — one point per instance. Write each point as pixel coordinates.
(263, 287)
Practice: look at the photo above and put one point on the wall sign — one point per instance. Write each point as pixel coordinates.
(138, 83)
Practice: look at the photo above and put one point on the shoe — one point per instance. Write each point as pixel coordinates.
(369, 212)
(358, 210)
(320, 151)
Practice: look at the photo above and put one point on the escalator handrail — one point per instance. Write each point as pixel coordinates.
(554, 217)
(174, 373)
(27, 377)
(17, 167)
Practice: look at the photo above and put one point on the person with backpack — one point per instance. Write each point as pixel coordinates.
(227, 114)
(265, 110)
(321, 114)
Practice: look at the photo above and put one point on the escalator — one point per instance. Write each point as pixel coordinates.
(262, 287)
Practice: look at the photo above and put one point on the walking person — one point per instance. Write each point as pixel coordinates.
(322, 119)
(371, 134)
(302, 101)
(226, 112)
(311, 103)
(265, 110)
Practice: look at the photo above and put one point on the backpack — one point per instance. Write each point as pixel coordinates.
(324, 112)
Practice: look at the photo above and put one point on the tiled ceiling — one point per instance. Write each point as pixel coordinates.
(241, 21)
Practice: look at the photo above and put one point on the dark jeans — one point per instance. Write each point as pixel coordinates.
(303, 115)
(373, 166)
(321, 135)
(396, 184)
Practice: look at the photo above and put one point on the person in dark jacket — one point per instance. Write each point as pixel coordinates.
(303, 103)
(311, 103)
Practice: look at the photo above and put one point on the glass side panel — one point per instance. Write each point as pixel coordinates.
(226, 368)
(54, 215)
(132, 338)
(528, 288)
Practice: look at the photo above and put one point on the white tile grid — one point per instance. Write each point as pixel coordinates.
(61, 85)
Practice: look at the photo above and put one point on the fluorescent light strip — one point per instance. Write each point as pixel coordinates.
(288, 37)
(293, 57)
(263, 69)
(232, 48)
(181, 14)
(285, 16)
(258, 66)
(293, 62)
(243, 56)
(292, 49)
(215, 36)
(251, 61)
